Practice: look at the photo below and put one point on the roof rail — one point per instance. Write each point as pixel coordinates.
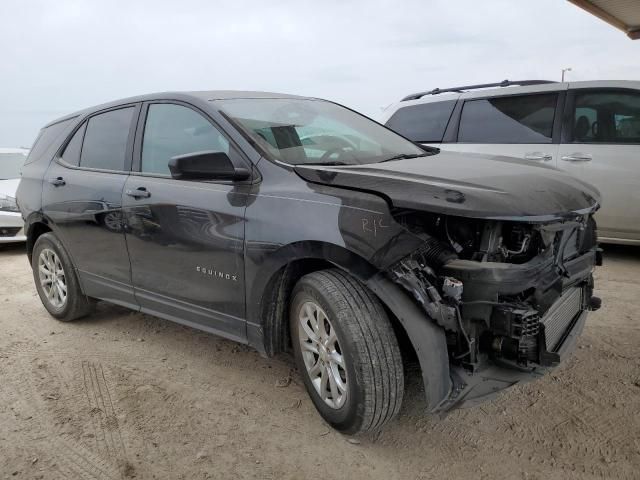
(504, 83)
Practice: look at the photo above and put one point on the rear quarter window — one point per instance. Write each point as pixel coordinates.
(422, 123)
(47, 137)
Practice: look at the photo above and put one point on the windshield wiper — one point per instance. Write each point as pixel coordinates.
(405, 156)
(333, 162)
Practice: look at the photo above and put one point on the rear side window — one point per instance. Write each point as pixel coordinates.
(606, 117)
(105, 140)
(422, 123)
(45, 139)
(517, 119)
(71, 154)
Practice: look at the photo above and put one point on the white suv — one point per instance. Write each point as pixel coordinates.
(590, 129)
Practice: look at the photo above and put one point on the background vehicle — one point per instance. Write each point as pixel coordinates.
(589, 129)
(11, 224)
(277, 220)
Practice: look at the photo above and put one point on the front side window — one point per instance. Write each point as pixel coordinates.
(516, 119)
(606, 117)
(105, 140)
(308, 131)
(172, 130)
(423, 123)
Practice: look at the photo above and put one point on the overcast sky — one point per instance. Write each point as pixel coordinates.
(64, 55)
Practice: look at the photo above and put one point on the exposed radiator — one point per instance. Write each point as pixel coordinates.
(560, 315)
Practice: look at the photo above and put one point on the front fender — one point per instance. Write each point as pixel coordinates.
(306, 250)
(427, 338)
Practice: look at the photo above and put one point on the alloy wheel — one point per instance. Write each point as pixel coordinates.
(322, 355)
(52, 278)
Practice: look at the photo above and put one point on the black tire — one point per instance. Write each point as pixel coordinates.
(77, 304)
(368, 345)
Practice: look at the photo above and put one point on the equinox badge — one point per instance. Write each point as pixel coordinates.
(212, 272)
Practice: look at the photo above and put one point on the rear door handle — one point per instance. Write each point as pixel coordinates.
(577, 157)
(538, 156)
(57, 182)
(139, 192)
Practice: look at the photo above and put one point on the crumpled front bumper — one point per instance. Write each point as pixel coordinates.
(561, 323)
(472, 389)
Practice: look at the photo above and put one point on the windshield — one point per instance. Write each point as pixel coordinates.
(11, 164)
(308, 131)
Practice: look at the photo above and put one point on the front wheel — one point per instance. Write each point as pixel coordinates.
(347, 352)
(56, 280)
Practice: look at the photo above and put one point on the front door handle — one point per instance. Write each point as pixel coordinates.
(538, 156)
(577, 157)
(139, 192)
(57, 182)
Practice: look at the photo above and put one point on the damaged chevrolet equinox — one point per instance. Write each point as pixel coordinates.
(288, 222)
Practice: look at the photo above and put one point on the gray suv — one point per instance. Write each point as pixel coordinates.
(287, 222)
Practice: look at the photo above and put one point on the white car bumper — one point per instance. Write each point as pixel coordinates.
(11, 227)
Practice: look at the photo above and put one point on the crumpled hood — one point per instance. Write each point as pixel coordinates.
(468, 185)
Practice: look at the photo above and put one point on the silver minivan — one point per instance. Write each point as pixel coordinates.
(590, 129)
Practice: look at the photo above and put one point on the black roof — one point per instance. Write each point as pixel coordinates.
(203, 95)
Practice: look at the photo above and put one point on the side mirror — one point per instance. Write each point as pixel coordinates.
(207, 165)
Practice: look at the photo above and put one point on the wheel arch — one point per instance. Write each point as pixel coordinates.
(35, 228)
(269, 293)
(268, 312)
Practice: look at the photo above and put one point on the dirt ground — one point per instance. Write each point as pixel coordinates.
(123, 395)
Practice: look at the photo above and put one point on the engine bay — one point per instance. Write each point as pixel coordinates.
(503, 291)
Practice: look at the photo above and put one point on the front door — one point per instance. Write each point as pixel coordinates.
(603, 148)
(82, 195)
(185, 238)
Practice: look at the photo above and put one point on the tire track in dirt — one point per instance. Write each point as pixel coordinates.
(102, 412)
(76, 459)
(33, 351)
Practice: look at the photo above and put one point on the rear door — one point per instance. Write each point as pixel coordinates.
(82, 196)
(185, 237)
(522, 126)
(601, 145)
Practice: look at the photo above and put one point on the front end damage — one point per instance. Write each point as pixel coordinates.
(498, 253)
(511, 296)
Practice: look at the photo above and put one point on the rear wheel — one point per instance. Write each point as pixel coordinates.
(346, 351)
(56, 280)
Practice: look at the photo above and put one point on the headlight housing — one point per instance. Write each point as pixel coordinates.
(8, 204)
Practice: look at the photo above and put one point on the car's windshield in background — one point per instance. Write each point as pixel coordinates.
(307, 131)
(11, 164)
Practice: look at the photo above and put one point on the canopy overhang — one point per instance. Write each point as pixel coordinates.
(622, 14)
